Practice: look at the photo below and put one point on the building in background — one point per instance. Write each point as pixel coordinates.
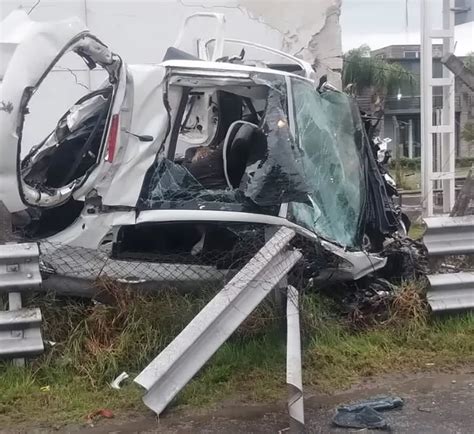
(402, 111)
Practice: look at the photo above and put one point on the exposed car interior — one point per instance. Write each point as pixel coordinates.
(68, 153)
(73, 147)
(219, 138)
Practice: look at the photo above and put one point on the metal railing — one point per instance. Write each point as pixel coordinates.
(447, 236)
(20, 333)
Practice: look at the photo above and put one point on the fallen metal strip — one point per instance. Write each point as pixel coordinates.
(172, 369)
(451, 292)
(294, 378)
(449, 235)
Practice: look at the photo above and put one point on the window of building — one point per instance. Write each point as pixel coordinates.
(411, 54)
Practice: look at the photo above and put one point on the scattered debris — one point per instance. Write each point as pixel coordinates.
(101, 413)
(407, 259)
(425, 410)
(367, 301)
(116, 383)
(365, 414)
(364, 418)
(379, 403)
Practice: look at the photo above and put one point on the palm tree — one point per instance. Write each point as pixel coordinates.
(363, 73)
(469, 61)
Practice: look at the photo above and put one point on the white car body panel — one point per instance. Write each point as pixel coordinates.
(39, 47)
(36, 47)
(148, 117)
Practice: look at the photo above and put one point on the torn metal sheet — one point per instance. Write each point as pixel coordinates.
(449, 235)
(168, 373)
(118, 381)
(451, 292)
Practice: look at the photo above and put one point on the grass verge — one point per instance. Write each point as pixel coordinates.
(94, 343)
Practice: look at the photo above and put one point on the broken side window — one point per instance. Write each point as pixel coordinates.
(251, 163)
(73, 146)
(326, 131)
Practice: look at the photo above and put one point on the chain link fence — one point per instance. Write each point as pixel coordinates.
(213, 260)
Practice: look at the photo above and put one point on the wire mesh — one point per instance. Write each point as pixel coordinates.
(214, 253)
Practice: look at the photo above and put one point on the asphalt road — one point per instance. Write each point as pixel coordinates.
(434, 403)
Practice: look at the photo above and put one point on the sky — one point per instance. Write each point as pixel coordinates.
(379, 23)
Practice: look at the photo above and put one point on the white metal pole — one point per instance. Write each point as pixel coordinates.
(445, 160)
(437, 138)
(448, 145)
(294, 378)
(410, 138)
(426, 110)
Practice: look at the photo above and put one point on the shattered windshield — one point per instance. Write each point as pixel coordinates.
(327, 132)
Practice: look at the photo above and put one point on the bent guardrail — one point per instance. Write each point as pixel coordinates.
(174, 367)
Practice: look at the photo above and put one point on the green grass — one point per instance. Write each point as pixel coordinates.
(417, 230)
(411, 179)
(339, 358)
(96, 343)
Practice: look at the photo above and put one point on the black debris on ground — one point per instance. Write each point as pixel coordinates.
(366, 414)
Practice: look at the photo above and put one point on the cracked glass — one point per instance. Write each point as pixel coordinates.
(330, 138)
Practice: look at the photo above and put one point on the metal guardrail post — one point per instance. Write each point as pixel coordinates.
(14, 303)
(294, 378)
